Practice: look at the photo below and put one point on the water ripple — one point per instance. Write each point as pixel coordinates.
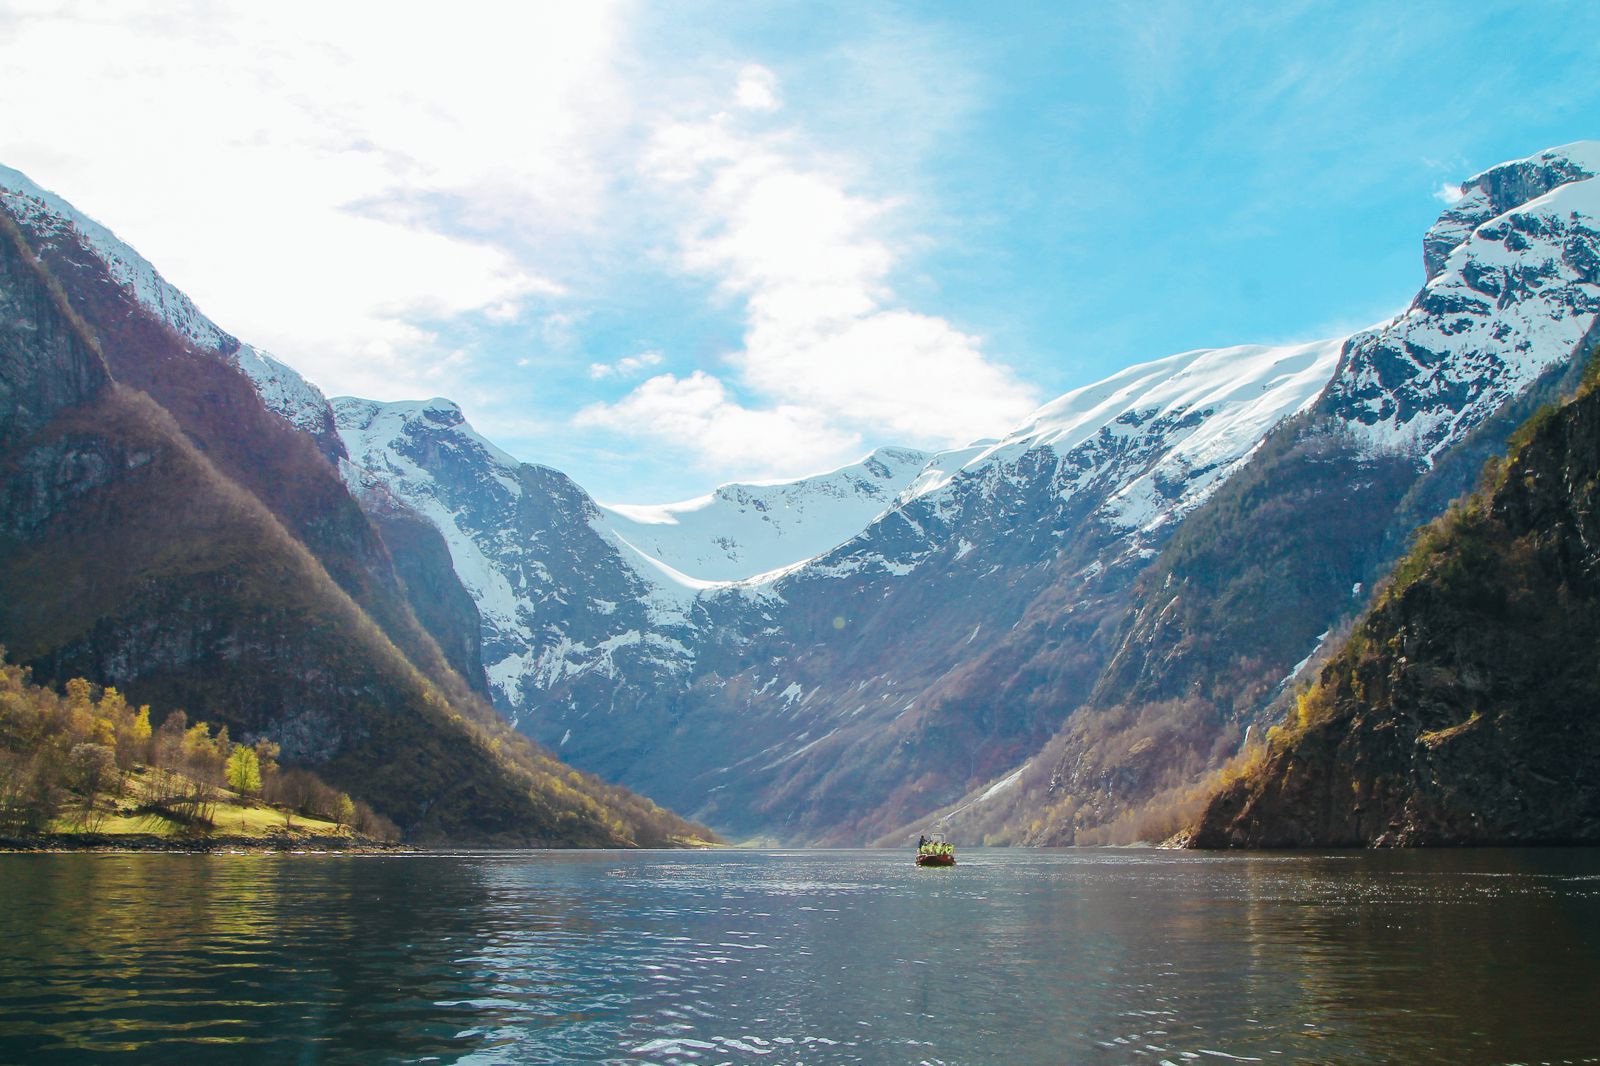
(799, 957)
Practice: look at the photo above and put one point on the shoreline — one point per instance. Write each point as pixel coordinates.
(135, 843)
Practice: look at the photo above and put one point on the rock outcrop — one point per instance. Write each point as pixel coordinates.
(1465, 708)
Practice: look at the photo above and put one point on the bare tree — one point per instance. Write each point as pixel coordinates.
(90, 769)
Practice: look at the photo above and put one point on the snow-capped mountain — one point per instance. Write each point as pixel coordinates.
(744, 531)
(620, 634)
(282, 389)
(570, 594)
(1513, 290)
(1168, 431)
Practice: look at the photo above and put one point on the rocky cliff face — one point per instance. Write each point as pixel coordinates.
(56, 361)
(422, 564)
(1465, 708)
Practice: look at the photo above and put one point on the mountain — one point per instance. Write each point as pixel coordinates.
(1255, 581)
(1051, 631)
(735, 651)
(281, 389)
(1462, 709)
(176, 525)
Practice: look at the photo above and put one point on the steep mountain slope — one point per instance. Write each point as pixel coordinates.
(1281, 556)
(165, 532)
(1465, 707)
(563, 601)
(52, 219)
(112, 284)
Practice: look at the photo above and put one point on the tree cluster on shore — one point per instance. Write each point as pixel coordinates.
(76, 758)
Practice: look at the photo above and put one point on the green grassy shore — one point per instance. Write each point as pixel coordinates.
(137, 816)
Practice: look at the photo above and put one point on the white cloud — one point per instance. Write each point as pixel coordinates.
(698, 409)
(1448, 193)
(757, 89)
(358, 187)
(825, 346)
(559, 331)
(292, 166)
(626, 367)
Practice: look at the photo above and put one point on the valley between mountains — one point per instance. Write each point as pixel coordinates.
(1056, 635)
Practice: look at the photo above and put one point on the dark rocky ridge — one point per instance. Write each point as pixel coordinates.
(1465, 708)
(422, 565)
(55, 361)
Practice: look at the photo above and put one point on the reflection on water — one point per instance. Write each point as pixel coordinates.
(1013, 956)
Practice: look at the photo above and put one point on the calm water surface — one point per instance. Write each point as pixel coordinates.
(802, 957)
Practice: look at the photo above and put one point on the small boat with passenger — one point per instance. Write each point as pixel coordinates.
(935, 851)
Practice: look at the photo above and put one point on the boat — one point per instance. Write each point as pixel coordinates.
(935, 851)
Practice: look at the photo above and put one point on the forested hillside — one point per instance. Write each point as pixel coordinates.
(87, 761)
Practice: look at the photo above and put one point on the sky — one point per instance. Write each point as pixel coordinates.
(665, 246)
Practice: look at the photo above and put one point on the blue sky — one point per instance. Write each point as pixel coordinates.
(664, 246)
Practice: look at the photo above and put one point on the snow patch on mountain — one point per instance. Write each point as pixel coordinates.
(1500, 188)
(285, 393)
(675, 588)
(1250, 386)
(372, 434)
(741, 531)
(1517, 296)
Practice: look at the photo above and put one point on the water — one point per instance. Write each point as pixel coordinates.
(1012, 957)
